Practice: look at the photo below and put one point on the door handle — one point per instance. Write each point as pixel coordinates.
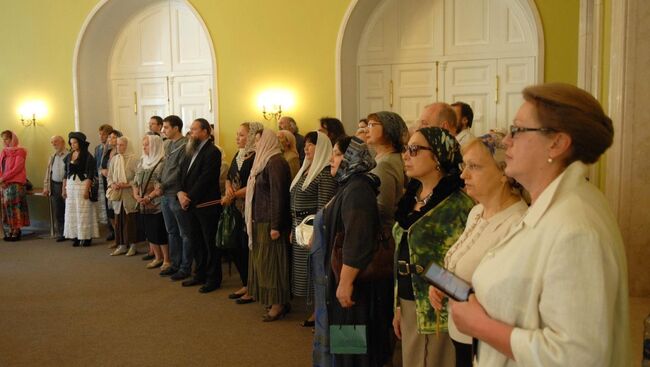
(210, 99)
(390, 94)
(135, 103)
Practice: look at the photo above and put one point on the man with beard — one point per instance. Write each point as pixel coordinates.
(199, 197)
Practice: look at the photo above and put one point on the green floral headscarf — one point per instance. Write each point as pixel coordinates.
(445, 147)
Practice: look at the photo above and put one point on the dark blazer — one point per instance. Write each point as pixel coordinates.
(201, 182)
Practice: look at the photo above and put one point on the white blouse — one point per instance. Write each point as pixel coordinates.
(479, 236)
(560, 278)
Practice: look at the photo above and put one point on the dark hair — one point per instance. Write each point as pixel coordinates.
(106, 128)
(117, 133)
(393, 132)
(466, 112)
(205, 125)
(174, 121)
(343, 142)
(158, 119)
(333, 126)
(571, 110)
(365, 121)
(311, 137)
(7, 133)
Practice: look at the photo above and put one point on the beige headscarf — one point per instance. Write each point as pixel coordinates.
(119, 162)
(321, 160)
(266, 147)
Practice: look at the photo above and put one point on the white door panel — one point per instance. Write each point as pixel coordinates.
(414, 86)
(473, 82)
(125, 108)
(190, 47)
(191, 98)
(374, 85)
(514, 75)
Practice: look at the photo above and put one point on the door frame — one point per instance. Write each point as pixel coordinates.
(92, 52)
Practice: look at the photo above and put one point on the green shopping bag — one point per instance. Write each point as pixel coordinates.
(229, 227)
(348, 339)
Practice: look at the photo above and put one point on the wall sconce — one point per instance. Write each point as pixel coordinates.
(32, 111)
(272, 102)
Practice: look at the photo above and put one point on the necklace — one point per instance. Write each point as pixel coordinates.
(425, 200)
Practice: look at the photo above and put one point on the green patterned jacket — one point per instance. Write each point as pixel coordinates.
(429, 239)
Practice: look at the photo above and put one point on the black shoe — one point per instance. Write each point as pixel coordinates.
(308, 323)
(110, 237)
(148, 257)
(86, 243)
(244, 301)
(168, 272)
(192, 282)
(235, 295)
(75, 242)
(60, 239)
(179, 276)
(209, 288)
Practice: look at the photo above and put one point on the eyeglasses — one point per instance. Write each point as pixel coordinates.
(469, 166)
(414, 149)
(517, 129)
(372, 124)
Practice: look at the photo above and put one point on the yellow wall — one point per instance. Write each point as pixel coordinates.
(258, 44)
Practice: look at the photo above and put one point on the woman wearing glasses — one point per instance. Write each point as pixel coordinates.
(499, 208)
(553, 292)
(430, 217)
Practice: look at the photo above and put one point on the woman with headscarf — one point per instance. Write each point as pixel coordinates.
(311, 189)
(147, 192)
(353, 216)
(268, 224)
(430, 217)
(289, 150)
(110, 152)
(13, 177)
(235, 194)
(121, 171)
(80, 214)
(500, 206)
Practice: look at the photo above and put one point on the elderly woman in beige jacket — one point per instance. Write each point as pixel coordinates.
(121, 172)
(499, 208)
(554, 291)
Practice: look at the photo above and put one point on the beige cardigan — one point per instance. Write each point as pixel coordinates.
(560, 278)
(128, 201)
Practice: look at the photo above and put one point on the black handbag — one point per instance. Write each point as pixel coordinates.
(94, 189)
(229, 228)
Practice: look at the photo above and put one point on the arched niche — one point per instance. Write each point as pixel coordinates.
(92, 57)
(360, 21)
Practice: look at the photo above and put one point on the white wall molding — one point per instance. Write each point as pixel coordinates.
(615, 103)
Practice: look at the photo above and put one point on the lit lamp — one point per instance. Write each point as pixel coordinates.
(272, 102)
(31, 111)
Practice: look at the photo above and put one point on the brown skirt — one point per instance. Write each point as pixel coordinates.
(126, 231)
(268, 267)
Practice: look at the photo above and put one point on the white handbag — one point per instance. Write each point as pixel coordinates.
(304, 231)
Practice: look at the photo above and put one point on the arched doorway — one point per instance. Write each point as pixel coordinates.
(402, 55)
(92, 79)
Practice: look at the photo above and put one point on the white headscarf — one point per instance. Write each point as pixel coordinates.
(321, 160)
(156, 151)
(117, 169)
(267, 147)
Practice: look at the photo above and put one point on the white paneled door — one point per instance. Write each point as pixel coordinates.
(375, 89)
(514, 75)
(414, 86)
(474, 82)
(192, 98)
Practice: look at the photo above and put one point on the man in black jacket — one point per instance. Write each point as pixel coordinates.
(200, 198)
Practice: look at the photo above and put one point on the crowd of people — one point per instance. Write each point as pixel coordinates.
(353, 222)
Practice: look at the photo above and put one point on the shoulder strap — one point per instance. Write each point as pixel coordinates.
(149, 179)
